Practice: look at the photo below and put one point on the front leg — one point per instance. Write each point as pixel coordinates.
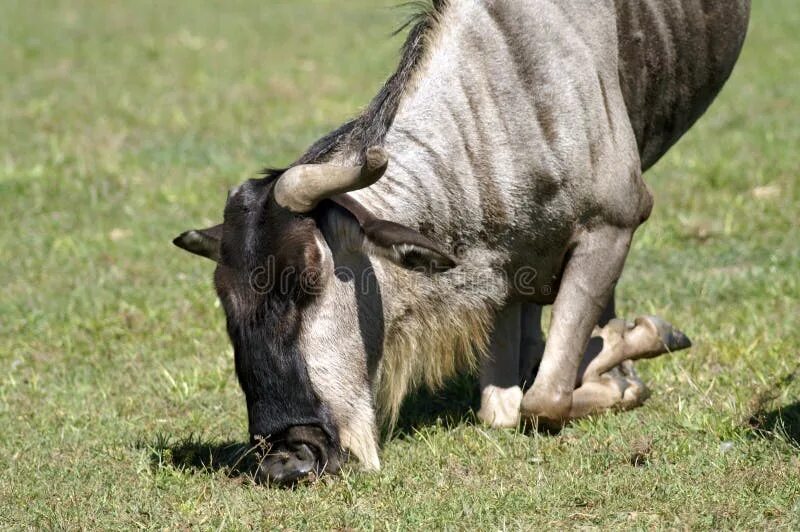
(586, 285)
(499, 380)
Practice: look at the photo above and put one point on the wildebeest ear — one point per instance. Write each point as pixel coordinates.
(406, 247)
(203, 242)
(399, 243)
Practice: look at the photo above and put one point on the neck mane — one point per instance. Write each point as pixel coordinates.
(371, 127)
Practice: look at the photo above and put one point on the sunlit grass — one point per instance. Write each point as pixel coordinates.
(124, 123)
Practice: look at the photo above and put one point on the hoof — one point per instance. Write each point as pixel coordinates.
(652, 336)
(636, 391)
(671, 338)
(500, 406)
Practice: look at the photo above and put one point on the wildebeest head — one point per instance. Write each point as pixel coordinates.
(301, 289)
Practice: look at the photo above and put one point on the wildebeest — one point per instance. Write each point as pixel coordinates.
(498, 169)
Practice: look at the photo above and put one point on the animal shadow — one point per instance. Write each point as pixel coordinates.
(784, 420)
(196, 455)
(767, 421)
(452, 405)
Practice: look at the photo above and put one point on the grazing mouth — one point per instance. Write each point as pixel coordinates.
(303, 454)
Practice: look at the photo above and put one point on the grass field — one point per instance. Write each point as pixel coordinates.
(124, 123)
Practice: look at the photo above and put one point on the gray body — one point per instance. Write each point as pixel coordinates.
(517, 142)
(521, 139)
(531, 119)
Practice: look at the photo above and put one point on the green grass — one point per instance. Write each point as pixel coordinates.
(123, 123)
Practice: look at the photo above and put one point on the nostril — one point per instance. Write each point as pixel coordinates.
(301, 452)
(288, 466)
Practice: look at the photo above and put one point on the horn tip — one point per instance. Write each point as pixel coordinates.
(376, 156)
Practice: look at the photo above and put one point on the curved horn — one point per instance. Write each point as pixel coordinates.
(302, 187)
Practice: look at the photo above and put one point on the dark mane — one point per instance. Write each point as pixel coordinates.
(370, 128)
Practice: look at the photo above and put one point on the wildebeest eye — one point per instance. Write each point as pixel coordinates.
(236, 207)
(311, 282)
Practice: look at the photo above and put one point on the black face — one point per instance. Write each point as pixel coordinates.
(264, 250)
(269, 268)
